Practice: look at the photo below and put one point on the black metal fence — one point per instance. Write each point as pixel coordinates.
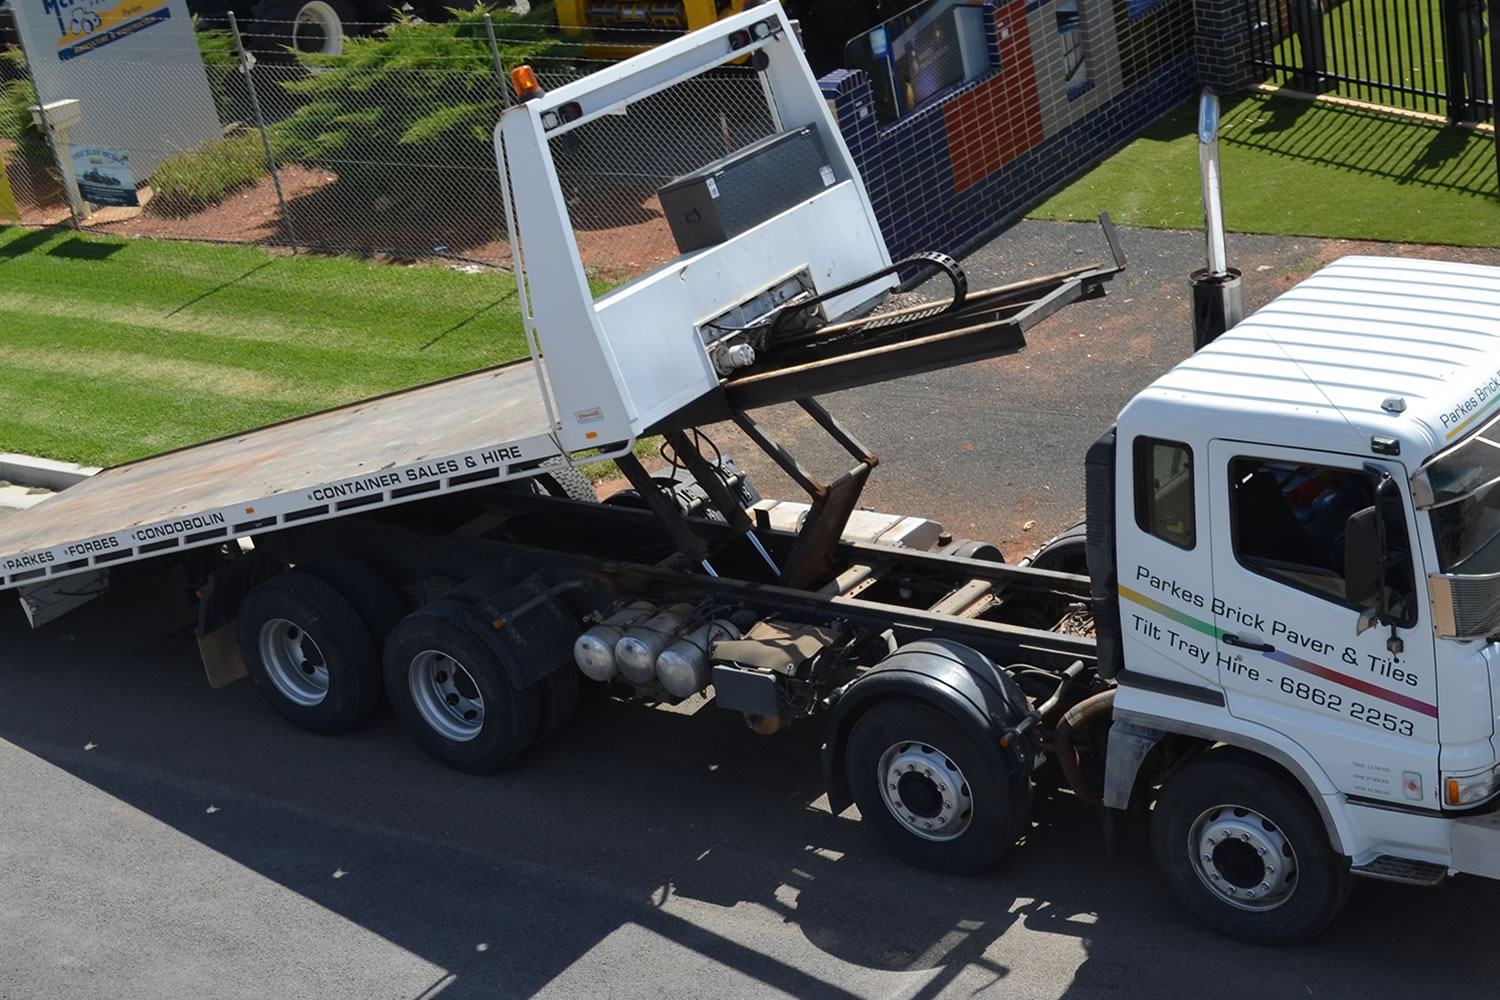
(1430, 56)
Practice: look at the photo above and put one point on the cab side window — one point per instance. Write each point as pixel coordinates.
(1288, 519)
(1164, 491)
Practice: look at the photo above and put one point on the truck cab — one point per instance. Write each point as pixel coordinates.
(1308, 582)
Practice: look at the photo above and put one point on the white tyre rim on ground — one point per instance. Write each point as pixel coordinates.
(323, 20)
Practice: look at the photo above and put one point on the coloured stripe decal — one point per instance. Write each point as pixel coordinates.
(1482, 411)
(1285, 659)
(1180, 617)
(1363, 686)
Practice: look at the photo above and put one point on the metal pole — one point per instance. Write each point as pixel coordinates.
(260, 121)
(63, 159)
(1218, 297)
(1495, 76)
(64, 164)
(1208, 168)
(489, 30)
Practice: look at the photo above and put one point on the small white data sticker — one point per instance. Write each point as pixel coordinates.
(713, 189)
(826, 172)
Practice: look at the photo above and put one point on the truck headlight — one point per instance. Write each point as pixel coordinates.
(1470, 789)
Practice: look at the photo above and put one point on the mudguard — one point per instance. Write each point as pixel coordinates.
(952, 678)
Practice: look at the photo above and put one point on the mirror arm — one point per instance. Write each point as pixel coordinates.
(1382, 482)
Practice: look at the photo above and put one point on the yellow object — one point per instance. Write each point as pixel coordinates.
(636, 17)
(8, 210)
(524, 80)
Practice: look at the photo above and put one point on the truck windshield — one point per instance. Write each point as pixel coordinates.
(1467, 533)
(1459, 488)
(1464, 468)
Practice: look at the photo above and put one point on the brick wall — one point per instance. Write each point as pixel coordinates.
(955, 171)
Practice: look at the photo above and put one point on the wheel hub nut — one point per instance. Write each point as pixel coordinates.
(1234, 848)
(924, 791)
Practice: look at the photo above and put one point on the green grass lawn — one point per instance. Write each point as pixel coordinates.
(113, 349)
(1377, 41)
(1292, 167)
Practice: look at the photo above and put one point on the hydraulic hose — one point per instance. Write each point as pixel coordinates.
(1084, 715)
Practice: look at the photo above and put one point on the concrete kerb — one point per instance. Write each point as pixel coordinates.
(27, 474)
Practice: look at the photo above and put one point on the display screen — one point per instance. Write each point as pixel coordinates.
(920, 53)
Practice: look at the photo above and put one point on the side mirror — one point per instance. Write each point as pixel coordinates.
(1364, 552)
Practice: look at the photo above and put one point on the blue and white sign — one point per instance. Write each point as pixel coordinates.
(103, 175)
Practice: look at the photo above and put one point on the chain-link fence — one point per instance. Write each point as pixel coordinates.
(382, 148)
(610, 169)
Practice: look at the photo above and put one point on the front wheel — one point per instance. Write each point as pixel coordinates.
(1246, 853)
(926, 784)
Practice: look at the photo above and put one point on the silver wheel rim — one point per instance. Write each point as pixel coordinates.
(294, 662)
(1243, 858)
(925, 791)
(446, 696)
(318, 29)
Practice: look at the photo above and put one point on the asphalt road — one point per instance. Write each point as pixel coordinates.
(161, 839)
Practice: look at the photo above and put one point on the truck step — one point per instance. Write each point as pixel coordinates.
(1392, 869)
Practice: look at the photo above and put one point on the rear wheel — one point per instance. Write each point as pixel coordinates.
(556, 692)
(373, 599)
(447, 682)
(1246, 852)
(564, 480)
(309, 653)
(925, 783)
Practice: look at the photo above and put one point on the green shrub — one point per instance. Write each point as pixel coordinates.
(416, 97)
(194, 181)
(221, 64)
(16, 124)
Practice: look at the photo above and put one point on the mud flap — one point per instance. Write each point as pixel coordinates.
(220, 651)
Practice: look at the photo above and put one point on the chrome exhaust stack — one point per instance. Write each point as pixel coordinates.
(1218, 293)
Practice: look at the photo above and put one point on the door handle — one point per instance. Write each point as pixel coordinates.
(1230, 639)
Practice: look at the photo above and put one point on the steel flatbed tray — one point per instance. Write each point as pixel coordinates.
(483, 427)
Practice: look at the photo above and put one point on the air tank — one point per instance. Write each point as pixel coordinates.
(594, 651)
(682, 667)
(637, 650)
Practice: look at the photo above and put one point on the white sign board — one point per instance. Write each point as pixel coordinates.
(134, 67)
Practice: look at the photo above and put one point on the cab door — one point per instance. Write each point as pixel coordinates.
(1290, 655)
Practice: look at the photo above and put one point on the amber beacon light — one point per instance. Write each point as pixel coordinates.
(523, 79)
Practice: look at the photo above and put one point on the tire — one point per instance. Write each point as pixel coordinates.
(1214, 825)
(308, 26)
(1066, 553)
(564, 480)
(309, 653)
(557, 692)
(372, 598)
(448, 685)
(974, 829)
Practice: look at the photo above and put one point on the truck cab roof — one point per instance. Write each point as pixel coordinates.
(1323, 363)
